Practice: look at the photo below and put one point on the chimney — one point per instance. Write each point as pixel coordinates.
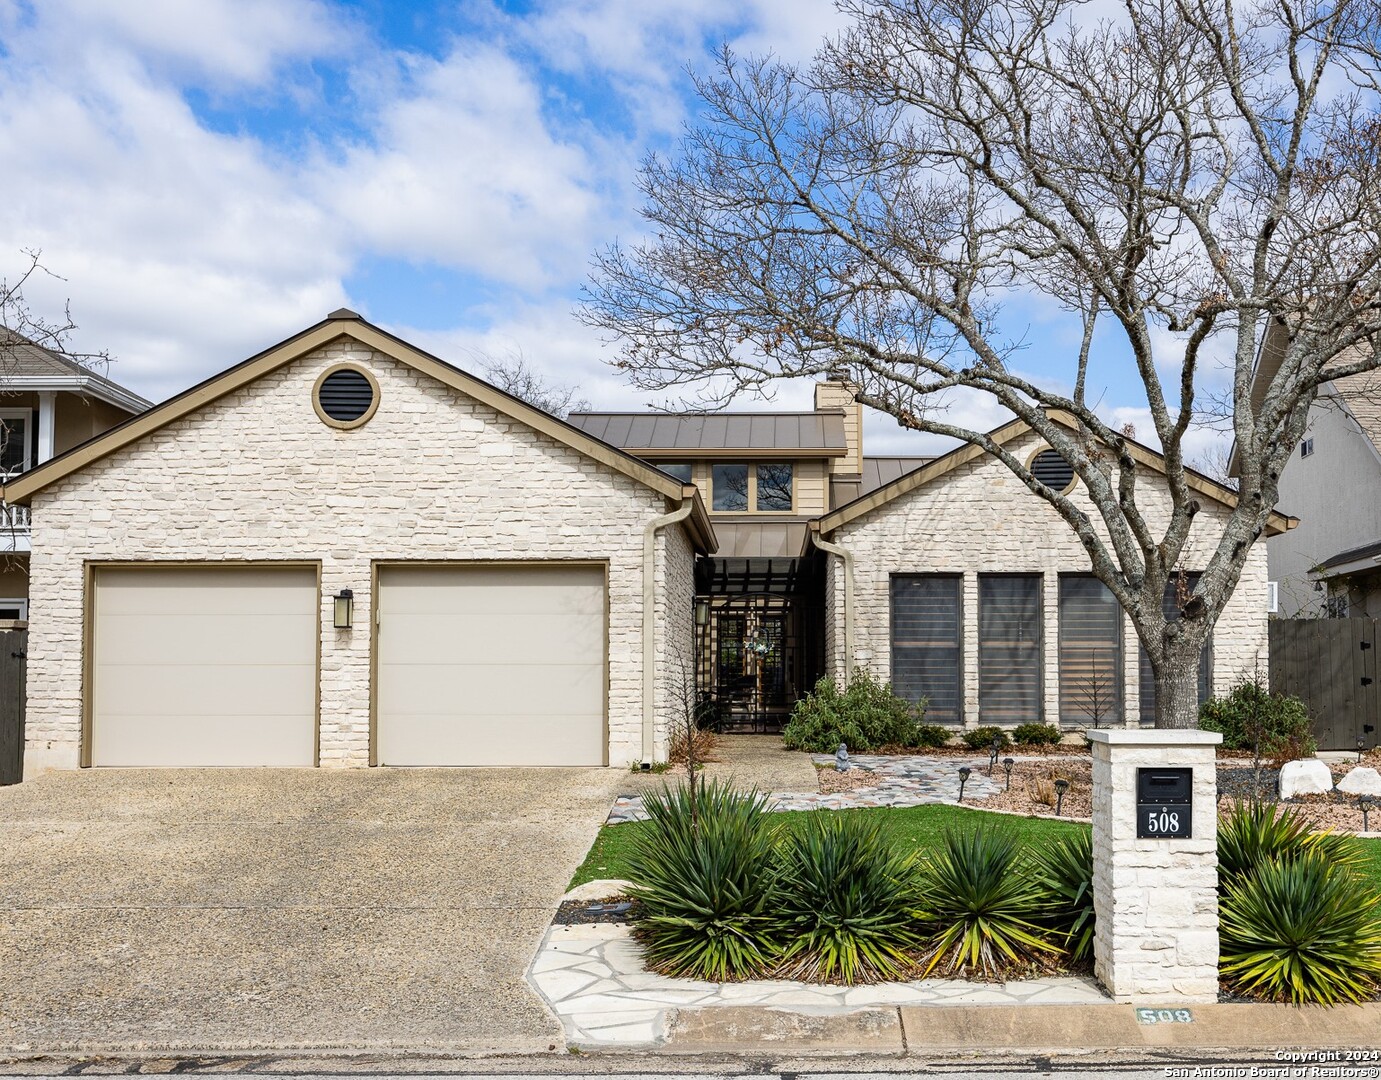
(839, 395)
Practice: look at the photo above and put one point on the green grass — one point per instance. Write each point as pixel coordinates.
(911, 828)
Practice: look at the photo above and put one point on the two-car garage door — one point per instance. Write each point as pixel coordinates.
(196, 666)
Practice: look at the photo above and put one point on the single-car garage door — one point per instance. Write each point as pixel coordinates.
(196, 666)
(491, 665)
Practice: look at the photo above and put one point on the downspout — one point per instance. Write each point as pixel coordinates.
(650, 620)
(834, 549)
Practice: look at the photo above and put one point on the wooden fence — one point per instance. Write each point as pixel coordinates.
(13, 650)
(1330, 665)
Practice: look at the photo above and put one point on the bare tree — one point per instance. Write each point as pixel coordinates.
(1215, 462)
(20, 325)
(1194, 169)
(514, 375)
(1096, 692)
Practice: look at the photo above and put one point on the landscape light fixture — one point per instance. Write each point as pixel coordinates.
(1365, 802)
(1007, 764)
(1061, 786)
(994, 752)
(345, 609)
(964, 771)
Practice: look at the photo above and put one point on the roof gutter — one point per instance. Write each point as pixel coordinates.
(650, 531)
(834, 549)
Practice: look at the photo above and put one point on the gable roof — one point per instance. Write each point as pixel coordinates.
(346, 323)
(25, 365)
(962, 455)
(649, 434)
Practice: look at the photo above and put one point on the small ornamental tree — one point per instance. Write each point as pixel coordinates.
(1192, 171)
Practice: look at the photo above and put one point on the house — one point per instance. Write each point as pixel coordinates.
(945, 576)
(1331, 564)
(344, 551)
(48, 404)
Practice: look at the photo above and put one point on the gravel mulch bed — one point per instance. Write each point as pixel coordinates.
(619, 909)
(1074, 749)
(1025, 796)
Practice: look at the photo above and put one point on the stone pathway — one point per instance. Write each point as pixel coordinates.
(593, 979)
(902, 780)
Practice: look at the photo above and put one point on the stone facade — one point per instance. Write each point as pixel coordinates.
(982, 519)
(1155, 900)
(255, 475)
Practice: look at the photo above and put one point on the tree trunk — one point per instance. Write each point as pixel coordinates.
(1177, 694)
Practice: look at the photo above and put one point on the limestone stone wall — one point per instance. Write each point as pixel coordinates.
(982, 519)
(675, 633)
(256, 475)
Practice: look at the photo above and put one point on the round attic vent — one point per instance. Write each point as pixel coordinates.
(1053, 471)
(345, 396)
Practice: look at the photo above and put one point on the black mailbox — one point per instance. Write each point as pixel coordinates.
(1164, 803)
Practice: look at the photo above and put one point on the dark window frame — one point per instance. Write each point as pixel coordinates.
(902, 681)
(990, 714)
(1075, 706)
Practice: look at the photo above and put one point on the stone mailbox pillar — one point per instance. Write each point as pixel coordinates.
(1155, 865)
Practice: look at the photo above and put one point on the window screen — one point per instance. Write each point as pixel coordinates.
(926, 655)
(1009, 648)
(1147, 678)
(730, 484)
(1090, 652)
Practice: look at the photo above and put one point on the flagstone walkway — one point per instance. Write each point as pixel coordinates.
(592, 977)
(902, 780)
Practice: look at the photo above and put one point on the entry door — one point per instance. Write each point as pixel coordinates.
(196, 666)
(491, 665)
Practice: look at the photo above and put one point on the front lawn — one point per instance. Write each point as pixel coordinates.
(913, 827)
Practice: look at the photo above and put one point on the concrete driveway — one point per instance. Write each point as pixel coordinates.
(208, 909)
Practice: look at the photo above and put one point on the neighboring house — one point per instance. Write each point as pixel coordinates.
(1331, 564)
(946, 576)
(344, 551)
(48, 404)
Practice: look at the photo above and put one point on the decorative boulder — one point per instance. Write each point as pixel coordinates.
(1308, 776)
(1361, 781)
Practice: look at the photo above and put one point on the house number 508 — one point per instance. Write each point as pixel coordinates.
(1167, 821)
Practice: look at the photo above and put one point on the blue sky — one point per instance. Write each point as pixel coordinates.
(211, 176)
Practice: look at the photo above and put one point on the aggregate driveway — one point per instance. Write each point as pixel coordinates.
(238, 909)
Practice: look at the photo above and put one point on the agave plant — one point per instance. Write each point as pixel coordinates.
(846, 903)
(1253, 834)
(705, 874)
(1303, 930)
(1064, 872)
(980, 903)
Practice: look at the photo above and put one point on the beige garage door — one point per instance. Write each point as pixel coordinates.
(491, 665)
(202, 666)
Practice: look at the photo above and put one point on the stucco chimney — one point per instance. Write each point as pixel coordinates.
(837, 394)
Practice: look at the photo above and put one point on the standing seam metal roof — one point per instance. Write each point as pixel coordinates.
(821, 432)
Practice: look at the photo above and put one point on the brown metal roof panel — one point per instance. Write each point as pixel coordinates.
(831, 432)
(738, 431)
(622, 431)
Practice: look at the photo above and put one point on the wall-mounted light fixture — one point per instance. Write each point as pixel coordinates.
(702, 611)
(345, 609)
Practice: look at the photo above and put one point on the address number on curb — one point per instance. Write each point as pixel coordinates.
(1164, 1016)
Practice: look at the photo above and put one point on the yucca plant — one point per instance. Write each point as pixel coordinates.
(704, 873)
(1064, 872)
(847, 903)
(980, 901)
(1303, 930)
(1255, 833)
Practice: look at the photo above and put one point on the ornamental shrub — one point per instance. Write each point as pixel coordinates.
(1303, 930)
(864, 717)
(846, 903)
(981, 738)
(1255, 834)
(705, 875)
(1275, 726)
(1064, 871)
(1036, 735)
(932, 736)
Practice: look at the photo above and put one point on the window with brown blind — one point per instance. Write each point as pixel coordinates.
(1147, 679)
(927, 659)
(1090, 652)
(1009, 648)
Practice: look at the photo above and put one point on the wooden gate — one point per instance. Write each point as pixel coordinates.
(13, 650)
(1330, 665)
